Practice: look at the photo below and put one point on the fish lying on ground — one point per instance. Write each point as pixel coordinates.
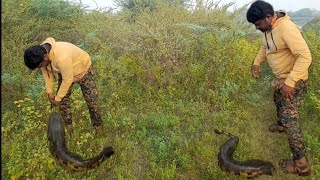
(249, 168)
(58, 148)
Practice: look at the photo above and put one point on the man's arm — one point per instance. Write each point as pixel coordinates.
(66, 71)
(300, 50)
(261, 56)
(48, 78)
(259, 59)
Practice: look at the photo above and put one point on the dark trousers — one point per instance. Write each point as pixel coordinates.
(90, 94)
(288, 116)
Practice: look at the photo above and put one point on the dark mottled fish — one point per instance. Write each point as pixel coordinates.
(249, 168)
(58, 148)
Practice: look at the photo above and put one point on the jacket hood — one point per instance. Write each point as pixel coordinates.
(52, 42)
(281, 19)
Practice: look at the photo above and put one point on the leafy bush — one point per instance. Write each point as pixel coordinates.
(166, 77)
(54, 9)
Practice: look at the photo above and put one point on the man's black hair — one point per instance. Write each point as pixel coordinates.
(259, 10)
(33, 56)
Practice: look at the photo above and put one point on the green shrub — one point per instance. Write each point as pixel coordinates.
(166, 78)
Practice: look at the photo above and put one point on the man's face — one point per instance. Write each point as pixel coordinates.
(45, 61)
(264, 25)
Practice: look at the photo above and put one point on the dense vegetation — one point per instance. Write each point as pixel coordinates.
(167, 76)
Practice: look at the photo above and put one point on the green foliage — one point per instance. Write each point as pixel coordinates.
(314, 25)
(26, 161)
(53, 9)
(166, 78)
(134, 5)
(312, 106)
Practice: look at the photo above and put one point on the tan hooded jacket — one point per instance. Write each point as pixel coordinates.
(67, 59)
(286, 51)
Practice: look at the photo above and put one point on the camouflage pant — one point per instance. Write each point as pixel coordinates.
(288, 116)
(90, 94)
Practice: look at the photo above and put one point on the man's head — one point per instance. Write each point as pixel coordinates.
(36, 56)
(260, 14)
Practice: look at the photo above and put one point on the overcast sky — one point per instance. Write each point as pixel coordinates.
(286, 5)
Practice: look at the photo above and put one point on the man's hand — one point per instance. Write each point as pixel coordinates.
(255, 71)
(288, 91)
(51, 97)
(54, 102)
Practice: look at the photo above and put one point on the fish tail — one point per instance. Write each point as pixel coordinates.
(223, 132)
(95, 161)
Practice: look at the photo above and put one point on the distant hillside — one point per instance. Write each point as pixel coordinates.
(313, 24)
(303, 16)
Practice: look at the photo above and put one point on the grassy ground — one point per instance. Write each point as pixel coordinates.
(163, 89)
(174, 140)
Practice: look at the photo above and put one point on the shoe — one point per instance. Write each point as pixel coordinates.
(70, 128)
(299, 167)
(276, 128)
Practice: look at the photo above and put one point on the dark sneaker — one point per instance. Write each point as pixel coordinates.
(275, 128)
(299, 167)
(70, 128)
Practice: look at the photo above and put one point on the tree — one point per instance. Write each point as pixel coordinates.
(133, 5)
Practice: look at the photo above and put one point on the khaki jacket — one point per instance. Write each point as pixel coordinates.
(286, 51)
(67, 59)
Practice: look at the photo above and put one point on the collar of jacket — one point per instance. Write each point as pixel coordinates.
(276, 22)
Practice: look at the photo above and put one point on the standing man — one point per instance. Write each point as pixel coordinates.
(73, 65)
(289, 58)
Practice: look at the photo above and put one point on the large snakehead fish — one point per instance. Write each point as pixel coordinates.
(249, 168)
(58, 148)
